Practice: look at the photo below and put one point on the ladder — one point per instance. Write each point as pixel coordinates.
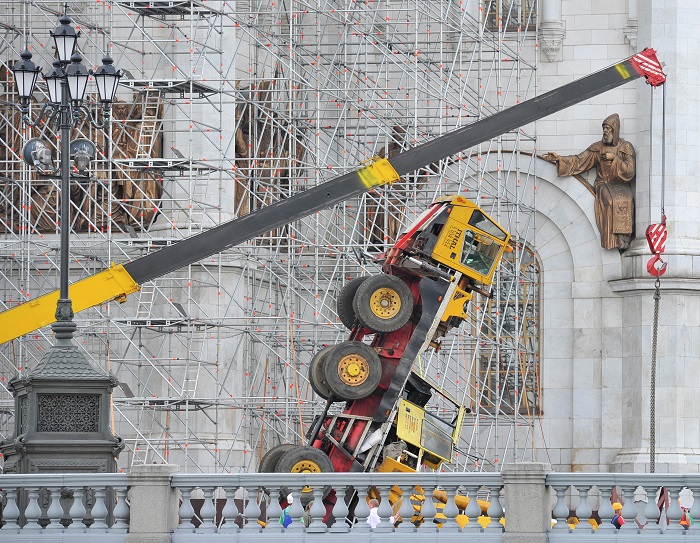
(147, 296)
(196, 337)
(149, 125)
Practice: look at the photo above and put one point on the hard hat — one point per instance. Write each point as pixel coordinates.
(617, 505)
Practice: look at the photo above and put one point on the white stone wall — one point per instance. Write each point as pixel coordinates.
(598, 304)
(594, 40)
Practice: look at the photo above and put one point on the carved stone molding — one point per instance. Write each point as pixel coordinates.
(21, 444)
(551, 39)
(119, 446)
(630, 33)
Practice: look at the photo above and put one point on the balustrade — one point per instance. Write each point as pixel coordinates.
(437, 506)
(87, 506)
(651, 505)
(338, 503)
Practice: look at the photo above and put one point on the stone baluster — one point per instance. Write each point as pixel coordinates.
(428, 512)
(230, 512)
(10, 512)
(695, 509)
(55, 511)
(251, 511)
(273, 511)
(340, 512)
(207, 513)
(361, 514)
(605, 512)
(629, 510)
(583, 511)
(651, 512)
(495, 511)
(406, 511)
(473, 510)
(296, 511)
(317, 512)
(77, 512)
(450, 511)
(33, 511)
(384, 511)
(99, 512)
(561, 511)
(674, 512)
(186, 512)
(121, 512)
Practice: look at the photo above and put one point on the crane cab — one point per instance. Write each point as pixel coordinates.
(453, 235)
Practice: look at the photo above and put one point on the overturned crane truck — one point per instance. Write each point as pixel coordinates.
(451, 251)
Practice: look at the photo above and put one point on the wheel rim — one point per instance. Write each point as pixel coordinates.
(385, 303)
(306, 466)
(353, 369)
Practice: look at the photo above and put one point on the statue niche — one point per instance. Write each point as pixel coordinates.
(135, 193)
(269, 150)
(112, 196)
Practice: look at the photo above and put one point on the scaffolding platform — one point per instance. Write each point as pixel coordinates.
(167, 165)
(181, 88)
(164, 9)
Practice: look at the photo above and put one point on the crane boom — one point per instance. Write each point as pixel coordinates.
(121, 280)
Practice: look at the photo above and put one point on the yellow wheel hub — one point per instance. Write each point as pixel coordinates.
(353, 369)
(385, 303)
(305, 466)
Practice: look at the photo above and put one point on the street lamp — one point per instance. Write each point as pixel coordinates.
(66, 82)
(63, 402)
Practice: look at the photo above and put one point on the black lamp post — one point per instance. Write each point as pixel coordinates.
(67, 82)
(62, 406)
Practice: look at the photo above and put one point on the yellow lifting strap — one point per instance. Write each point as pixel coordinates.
(106, 285)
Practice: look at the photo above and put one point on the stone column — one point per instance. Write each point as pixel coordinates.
(153, 504)
(672, 31)
(551, 30)
(630, 29)
(528, 502)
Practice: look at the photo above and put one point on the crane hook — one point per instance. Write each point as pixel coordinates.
(656, 266)
(656, 238)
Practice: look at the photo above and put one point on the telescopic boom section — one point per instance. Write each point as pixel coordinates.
(119, 281)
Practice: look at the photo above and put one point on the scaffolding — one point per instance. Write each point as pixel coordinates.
(224, 108)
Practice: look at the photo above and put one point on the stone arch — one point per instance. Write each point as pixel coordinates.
(575, 271)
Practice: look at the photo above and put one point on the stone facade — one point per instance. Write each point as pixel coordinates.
(598, 304)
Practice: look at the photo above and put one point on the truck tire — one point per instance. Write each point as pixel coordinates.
(352, 370)
(304, 460)
(344, 302)
(268, 463)
(383, 303)
(317, 375)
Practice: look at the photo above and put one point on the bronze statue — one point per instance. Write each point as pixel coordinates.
(614, 161)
